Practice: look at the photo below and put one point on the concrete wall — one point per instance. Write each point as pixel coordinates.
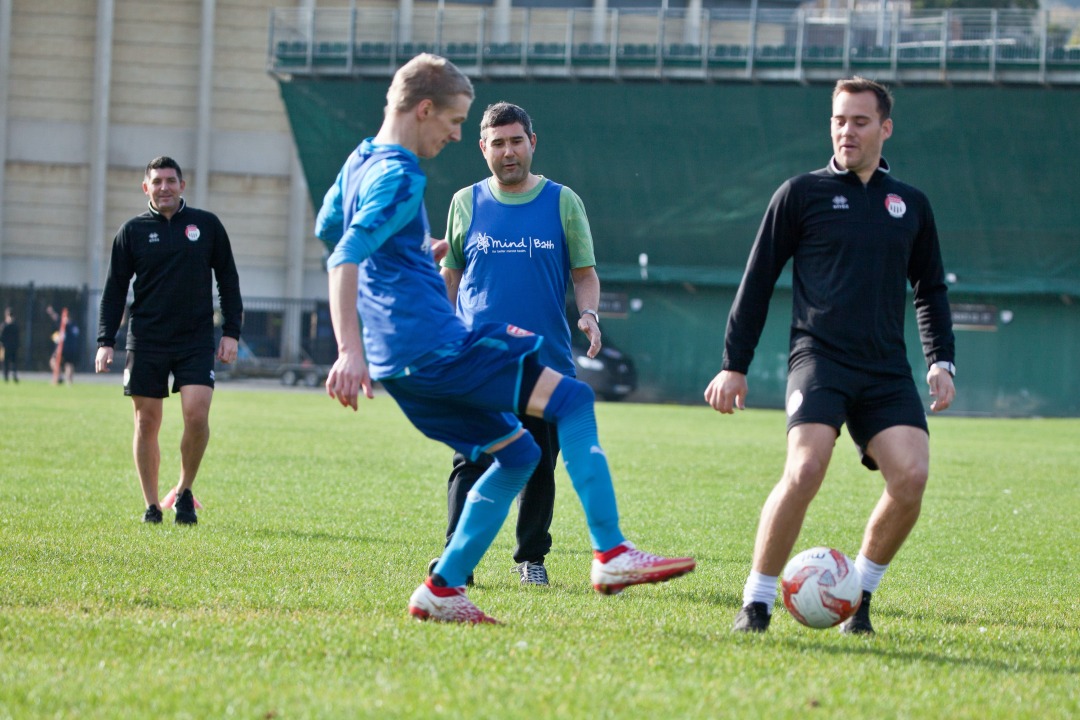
(153, 109)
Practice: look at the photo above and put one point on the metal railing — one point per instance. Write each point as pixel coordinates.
(277, 330)
(1006, 46)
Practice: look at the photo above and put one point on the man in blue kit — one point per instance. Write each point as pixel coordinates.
(857, 237)
(515, 238)
(457, 385)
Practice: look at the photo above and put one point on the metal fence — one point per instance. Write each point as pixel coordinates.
(37, 311)
(890, 43)
(276, 331)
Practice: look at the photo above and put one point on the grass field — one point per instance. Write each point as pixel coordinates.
(288, 600)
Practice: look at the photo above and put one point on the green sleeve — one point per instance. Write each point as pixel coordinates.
(575, 223)
(457, 224)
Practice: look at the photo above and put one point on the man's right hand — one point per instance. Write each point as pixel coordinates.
(439, 248)
(727, 391)
(347, 377)
(103, 360)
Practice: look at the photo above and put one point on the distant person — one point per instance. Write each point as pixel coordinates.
(73, 350)
(457, 385)
(857, 238)
(490, 279)
(66, 339)
(9, 338)
(175, 252)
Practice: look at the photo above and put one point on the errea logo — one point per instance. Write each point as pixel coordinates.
(840, 203)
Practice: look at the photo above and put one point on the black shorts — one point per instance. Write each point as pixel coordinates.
(824, 391)
(147, 373)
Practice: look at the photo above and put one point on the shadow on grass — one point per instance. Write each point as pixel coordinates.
(881, 646)
(1043, 624)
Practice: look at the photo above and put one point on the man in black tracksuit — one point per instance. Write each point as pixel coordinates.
(856, 237)
(172, 250)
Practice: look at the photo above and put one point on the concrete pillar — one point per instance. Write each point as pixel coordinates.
(405, 18)
(299, 233)
(204, 114)
(500, 29)
(5, 71)
(599, 22)
(97, 180)
(692, 25)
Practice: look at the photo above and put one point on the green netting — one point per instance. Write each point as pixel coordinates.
(683, 172)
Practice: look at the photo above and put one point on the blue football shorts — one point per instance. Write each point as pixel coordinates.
(820, 390)
(468, 397)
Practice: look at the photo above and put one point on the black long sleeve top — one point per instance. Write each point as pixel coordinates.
(172, 261)
(855, 249)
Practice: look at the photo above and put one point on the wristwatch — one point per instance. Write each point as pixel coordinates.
(946, 366)
(590, 311)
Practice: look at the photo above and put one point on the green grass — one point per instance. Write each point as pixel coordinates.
(288, 600)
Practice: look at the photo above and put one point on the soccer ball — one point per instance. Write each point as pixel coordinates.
(822, 588)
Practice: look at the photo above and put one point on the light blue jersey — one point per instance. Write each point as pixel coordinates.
(374, 216)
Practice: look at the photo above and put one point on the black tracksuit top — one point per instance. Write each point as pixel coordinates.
(171, 260)
(856, 248)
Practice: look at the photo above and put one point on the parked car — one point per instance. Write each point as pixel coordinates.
(611, 374)
(249, 365)
(246, 365)
(307, 373)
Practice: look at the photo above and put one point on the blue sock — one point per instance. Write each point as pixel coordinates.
(486, 509)
(571, 409)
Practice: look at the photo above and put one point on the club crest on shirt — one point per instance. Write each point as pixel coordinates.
(516, 331)
(895, 205)
(192, 232)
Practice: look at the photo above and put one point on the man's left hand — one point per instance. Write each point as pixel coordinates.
(226, 351)
(588, 325)
(941, 388)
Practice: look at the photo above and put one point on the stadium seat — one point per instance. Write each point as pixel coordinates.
(547, 53)
(331, 54)
(290, 54)
(502, 52)
(369, 52)
(682, 54)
